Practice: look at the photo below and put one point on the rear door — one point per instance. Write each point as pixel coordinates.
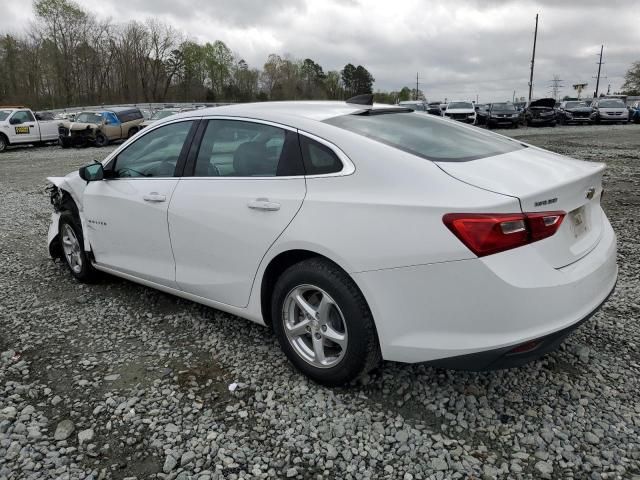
(247, 186)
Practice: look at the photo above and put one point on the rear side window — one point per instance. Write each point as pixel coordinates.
(318, 158)
(236, 148)
(426, 136)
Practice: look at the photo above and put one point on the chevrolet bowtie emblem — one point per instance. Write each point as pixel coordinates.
(590, 193)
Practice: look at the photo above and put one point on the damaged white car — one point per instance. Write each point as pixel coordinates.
(358, 232)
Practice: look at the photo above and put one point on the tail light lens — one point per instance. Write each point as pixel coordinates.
(489, 233)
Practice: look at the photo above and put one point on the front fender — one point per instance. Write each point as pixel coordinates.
(74, 186)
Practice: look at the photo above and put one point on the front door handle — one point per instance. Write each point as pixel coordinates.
(154, 197)
(263, 204)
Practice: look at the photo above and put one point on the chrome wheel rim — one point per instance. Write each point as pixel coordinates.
(315, 326)
(71, 248)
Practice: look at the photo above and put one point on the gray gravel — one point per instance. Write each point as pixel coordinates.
(116, 380)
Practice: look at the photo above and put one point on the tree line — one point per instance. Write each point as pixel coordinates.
(68, 57)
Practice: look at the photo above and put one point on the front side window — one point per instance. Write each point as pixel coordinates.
(237, 148)
(427, 136)
(24, 116)
(155, 154)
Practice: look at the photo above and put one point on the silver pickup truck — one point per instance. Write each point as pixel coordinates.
(20, 126)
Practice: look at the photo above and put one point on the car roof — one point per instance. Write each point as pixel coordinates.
(277, 111)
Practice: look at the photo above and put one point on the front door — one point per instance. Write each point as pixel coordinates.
(247, 186)
(26, 130)
(126, 214)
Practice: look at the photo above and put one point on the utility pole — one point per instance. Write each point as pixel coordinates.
(599, 66)
(513, 99)
(533, 58)
(417, 86)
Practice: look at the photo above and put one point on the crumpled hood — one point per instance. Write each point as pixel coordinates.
(543, 102)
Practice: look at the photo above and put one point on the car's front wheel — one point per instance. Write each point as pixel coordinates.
(323, 323)
(72, 248)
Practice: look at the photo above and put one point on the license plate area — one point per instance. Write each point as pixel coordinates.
(578, 222)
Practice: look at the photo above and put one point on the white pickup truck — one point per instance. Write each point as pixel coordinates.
(19, 126)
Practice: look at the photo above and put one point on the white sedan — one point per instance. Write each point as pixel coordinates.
(358, 232)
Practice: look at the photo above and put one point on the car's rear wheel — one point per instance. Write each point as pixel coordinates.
(323, 323)
(72, 247)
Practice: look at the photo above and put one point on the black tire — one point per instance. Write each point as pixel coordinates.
(3, 143)
(101, 140)
(85, 273)
(132, 132)
(362, 353)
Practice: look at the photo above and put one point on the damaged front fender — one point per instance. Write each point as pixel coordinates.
(65, 194)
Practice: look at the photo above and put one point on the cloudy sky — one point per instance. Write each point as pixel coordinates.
(461, 48)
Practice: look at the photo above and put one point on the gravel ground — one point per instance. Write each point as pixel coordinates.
(116, 380)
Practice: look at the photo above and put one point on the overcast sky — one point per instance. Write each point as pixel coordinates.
(460, 48)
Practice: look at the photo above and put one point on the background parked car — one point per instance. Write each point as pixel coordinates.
(19, 125)
(634, 113)
(100, 127)
(482, 113)
(416, 105)
(540, 112)
(159, 115)
(433, 108)
(574, 111)
(609, 110)
(461, 111)
(502, 114)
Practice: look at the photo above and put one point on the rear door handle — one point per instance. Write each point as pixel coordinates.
(263, 204)
(154, 197)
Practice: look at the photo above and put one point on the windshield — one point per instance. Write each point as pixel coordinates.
(576, 104)
(460, 105)
(427, 136)
(503, 106)
(159, 115)
(611, 104)
(88, 117)
(4, 114)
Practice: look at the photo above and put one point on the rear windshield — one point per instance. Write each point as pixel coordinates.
(427, 137)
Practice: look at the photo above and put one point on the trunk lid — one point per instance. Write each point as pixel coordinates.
(544, 181)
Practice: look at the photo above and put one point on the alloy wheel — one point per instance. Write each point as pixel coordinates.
(315, 326)
(72, 249)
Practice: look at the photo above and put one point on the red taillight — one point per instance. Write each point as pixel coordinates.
(488, 233)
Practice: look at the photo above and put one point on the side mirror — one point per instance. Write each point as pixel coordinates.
(15, 121)
(92, 172)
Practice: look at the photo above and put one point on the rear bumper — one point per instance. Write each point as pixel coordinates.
(486, 305)
(506, 357)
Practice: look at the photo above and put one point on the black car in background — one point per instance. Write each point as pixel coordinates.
(540, 112)
(574, 111)
(434, 108)
(502, 115)
(482, 113)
